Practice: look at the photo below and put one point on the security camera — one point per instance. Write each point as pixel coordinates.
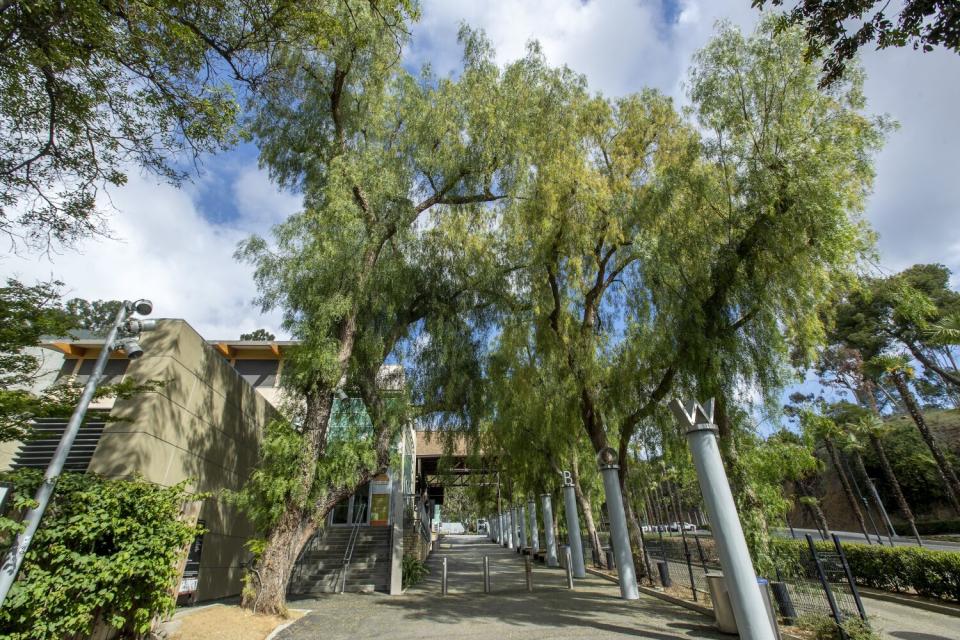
(132, 348)
(134, 326)
(143, 307)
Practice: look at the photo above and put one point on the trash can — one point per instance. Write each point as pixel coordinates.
(611, 562)
(722, 609)
(768, 603)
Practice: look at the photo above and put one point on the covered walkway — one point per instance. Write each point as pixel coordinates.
(592, 610)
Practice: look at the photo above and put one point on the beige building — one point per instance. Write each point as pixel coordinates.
(203, 426)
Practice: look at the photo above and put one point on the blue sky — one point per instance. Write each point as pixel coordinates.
(175, 245)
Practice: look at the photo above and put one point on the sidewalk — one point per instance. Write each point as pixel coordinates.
(592, 610)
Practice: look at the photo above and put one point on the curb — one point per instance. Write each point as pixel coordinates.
(286, 624)
(918, 602)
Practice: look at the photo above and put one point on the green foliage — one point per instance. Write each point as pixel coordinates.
(96, 316)
(271, 486)
(930, 573)
(107, 550)
(844, 26)
(27, 313)
(414, 571)
(824, 627)
(89, 86)
(930, 528)
(915, 468)
(258, 334)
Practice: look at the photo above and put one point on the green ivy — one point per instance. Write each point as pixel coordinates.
(106, 550)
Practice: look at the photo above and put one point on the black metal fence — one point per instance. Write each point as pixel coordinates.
(821, 585)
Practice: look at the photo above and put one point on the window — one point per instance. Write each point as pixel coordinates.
(259, 373)
(112, 372)
(38, 451)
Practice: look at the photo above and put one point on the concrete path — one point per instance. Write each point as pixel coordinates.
(592, 610)
(897, 621)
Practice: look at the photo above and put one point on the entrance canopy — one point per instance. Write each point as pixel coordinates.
(431, 478)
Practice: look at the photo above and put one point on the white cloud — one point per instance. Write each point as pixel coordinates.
(176, 246)
(167, 250)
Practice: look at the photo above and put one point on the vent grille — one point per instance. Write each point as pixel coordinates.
(38, 451)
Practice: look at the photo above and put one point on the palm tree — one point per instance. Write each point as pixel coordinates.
(875, 429)
(899, 373)
(826, 430)
(853, 447)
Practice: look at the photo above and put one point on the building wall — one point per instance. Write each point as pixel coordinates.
(201, 427)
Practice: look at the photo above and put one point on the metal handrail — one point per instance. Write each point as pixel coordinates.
(351, 543)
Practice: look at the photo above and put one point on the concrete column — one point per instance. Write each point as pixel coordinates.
(524, 542)
(549, 533)
(396, 553)
(749, 611)
(534, 531)
(509, 523)
(619, 538)
(514, 528)
(573, 526)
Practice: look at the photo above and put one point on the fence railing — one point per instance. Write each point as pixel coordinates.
(821, 585)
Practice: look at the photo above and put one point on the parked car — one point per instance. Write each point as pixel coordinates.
(675, 526)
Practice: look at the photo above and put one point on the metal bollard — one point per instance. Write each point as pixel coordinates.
(528, 569)
(569, 565)
(443, 583)
(486, 574)
(664, 570)
(784, 602)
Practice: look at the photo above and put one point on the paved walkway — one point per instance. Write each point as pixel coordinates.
(592, 610)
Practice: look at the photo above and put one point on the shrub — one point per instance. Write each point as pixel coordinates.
(414, 571)
(930, 573)
(825, 628)
(106, 551)
(931, 528)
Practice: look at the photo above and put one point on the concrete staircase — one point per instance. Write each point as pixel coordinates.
(320, 567)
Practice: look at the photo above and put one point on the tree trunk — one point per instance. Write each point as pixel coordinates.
(845, 483)
(587, 515)
(295, 526)
(951, 483)
(872, 491)
(891, 479)
(813, 505)
(633, 525)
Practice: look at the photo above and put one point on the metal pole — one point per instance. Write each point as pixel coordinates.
(849, 574)
(619, 538)
(443, 583)
(891, 532)
(486, 574)
(549, 533)
(524, 543)
(569, 567)
(837, 617)
(14, 559)
(534, 530)
(515, 533)
(746, 599)
(528, 570)
(573, 526)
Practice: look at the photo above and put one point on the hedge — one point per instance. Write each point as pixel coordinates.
(931, 528)
(935, 574)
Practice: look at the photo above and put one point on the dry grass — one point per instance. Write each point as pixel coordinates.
(226, 623)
